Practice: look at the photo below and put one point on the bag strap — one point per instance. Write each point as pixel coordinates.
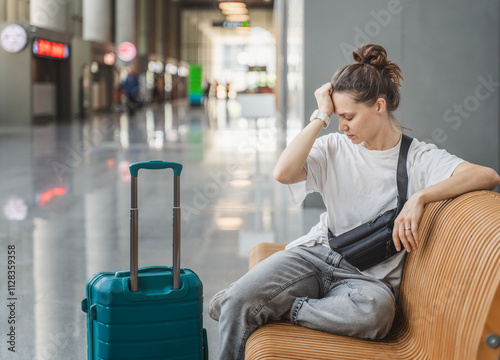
(402, 172)
(401, 175)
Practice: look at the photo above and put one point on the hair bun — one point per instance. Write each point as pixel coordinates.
(372, 54)
(376, 56)
(370, 78)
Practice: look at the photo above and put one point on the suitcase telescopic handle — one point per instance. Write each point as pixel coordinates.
(134, 221)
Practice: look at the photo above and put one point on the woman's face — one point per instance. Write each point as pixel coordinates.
(361, 123)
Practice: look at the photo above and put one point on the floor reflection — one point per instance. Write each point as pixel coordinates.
(65, 197)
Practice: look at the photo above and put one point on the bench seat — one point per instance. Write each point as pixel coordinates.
(449, 301)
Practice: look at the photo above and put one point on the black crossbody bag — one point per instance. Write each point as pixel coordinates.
(371, 243)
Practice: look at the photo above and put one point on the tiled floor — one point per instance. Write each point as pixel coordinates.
(65, 197)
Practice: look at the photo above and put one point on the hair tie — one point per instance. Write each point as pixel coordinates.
(364, 61)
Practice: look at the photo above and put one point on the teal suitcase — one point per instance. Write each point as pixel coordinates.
(149, 313)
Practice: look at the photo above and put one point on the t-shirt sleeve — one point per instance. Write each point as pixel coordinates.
(316, 166)
(430, 165)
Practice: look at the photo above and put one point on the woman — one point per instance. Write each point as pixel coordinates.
(309, 283)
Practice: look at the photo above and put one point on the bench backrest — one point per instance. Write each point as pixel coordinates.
(450, 293)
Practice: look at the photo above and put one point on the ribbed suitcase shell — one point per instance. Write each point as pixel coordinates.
(156, 322)
(153, 313)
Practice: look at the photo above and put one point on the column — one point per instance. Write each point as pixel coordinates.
(144, 33)
(160, 25)
(125, 25)
(97, 20)
(52, 15)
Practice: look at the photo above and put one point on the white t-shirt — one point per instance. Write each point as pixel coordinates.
(358, 184)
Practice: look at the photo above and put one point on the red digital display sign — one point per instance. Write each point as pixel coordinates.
(46, 196)
(50, 49)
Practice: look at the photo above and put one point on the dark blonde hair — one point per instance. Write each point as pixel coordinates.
(372, 76)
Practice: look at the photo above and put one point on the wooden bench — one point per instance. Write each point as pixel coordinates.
(449, 306)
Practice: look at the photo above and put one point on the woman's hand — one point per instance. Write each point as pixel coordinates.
(324, 99)
(405, 230)
(466, 177)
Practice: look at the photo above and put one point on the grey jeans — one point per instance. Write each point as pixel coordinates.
(316, 286)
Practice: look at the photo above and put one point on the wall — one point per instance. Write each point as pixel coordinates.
(79, 59)
(448, 51)
(15, 86)
(296, 94)
(450, 56)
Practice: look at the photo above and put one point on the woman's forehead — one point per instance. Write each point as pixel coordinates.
(344, 103)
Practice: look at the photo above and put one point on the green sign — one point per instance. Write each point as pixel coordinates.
(195, 84)
(195, 79)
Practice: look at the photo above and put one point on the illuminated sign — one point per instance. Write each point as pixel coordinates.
(15, 209)
(50, 49)
(235, 24)
(109, 58)
(195, 88)
(232, 24)
(126, 51)
(257, 68)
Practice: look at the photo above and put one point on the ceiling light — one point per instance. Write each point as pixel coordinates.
(232, 5)
(240, 183)
(229, 223)
(236, 11)
(237, 18)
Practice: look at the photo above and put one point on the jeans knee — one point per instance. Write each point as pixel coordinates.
(381, 316)
(237, 300)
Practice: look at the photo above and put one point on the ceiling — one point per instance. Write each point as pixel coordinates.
(214, 4)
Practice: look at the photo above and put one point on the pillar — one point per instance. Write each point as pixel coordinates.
(125, 25)
(52, 15)
(97, 20)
